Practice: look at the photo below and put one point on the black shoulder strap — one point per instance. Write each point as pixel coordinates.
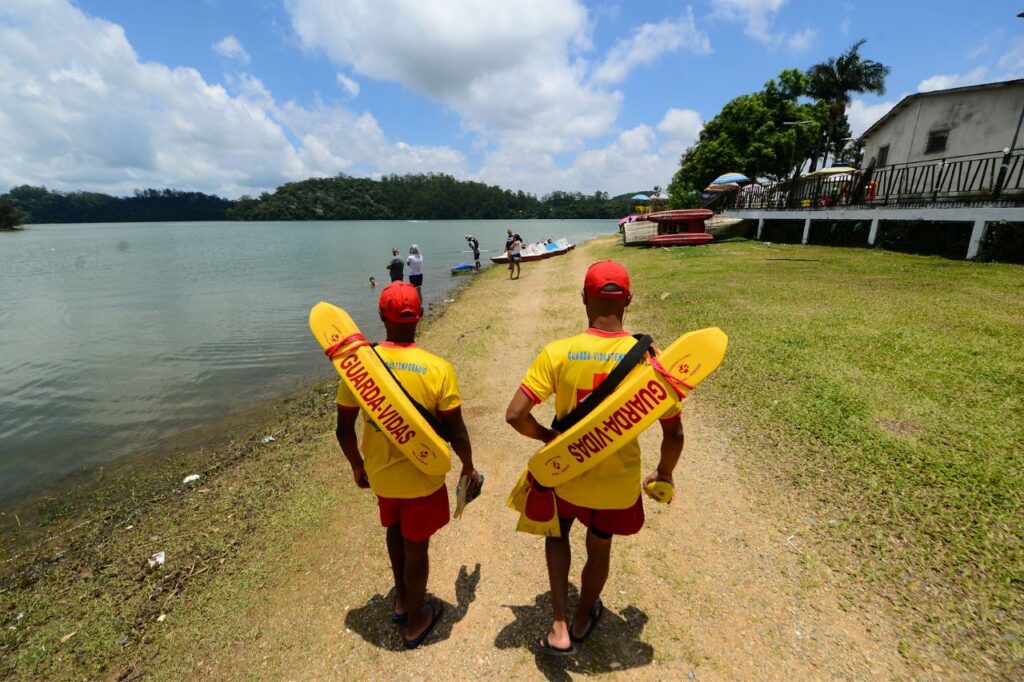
(611, 382)
(434, 422)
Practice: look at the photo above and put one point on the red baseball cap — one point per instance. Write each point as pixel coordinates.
(400, 302)
(601, 274)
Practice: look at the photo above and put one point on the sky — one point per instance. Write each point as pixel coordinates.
(236, 97)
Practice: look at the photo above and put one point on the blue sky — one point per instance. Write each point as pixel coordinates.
(234, 97)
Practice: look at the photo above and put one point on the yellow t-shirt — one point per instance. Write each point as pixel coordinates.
(571, 368)
(431, 381)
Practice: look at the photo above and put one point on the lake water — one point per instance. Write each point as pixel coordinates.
(114, 337)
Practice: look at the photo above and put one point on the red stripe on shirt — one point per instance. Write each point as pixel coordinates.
(608, 335)
(530, 394)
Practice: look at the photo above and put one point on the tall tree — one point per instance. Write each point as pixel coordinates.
(831, 83)
(749, 136)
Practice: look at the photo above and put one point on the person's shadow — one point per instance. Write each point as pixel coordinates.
(613, 645)
(373, 621)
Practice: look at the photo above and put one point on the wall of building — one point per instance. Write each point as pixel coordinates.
(979, 121)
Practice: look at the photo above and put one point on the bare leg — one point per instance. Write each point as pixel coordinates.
(396, 552)
(595, 575)
(417, 568)
(558, 554)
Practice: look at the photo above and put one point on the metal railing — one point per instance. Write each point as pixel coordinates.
(994, 178)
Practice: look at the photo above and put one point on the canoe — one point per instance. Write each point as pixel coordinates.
(463, 268)
(539, 251)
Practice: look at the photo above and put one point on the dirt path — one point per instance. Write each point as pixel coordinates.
(711, 586)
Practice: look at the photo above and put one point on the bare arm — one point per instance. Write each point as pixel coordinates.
(456, 426)
(346, 433)
(519, 418)
(671, 449)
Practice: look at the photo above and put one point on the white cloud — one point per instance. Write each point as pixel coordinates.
(510, 70)
(953, 80)
(348, 85)
(801, 41)
(80, 111)
(230, 47)
(758, 18)
(683, 125)
(648, 43)
(862, 115)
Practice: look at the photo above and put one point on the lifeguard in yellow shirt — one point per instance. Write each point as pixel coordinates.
(605, 499)
(413, 505)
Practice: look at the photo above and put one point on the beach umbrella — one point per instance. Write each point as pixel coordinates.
(641, 197)
(730, 177)
(830, 171)
(721, 187)
(839, 177)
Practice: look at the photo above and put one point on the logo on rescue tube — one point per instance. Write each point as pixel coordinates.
(374, 401)
(632, 411)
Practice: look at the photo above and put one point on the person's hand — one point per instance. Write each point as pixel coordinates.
(359, 474)
(657, 475)
(474, 477)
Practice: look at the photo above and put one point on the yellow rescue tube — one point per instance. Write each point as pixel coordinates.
(376, 392)
(642, 397)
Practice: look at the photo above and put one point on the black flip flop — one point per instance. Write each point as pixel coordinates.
(546, 647)
(595, 615)
(436, 610)
(396, 617)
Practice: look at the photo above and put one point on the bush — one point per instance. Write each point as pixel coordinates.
(783, 231)
(925, 237)
(839, 232)
(1004, 242)
(10, 215)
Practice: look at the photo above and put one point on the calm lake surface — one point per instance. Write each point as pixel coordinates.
(114, 337)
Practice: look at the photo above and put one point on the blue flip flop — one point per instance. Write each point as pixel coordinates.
(436, 610)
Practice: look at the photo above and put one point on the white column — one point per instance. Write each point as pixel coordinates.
(873, 234)
(977, 234)
(760, 227)
(807, 231)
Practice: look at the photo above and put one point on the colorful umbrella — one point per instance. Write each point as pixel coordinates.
(641, 197)
(730, 177)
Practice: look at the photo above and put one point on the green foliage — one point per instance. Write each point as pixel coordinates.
(831, 83)
(10, 215)
(147, 205)
(1004, 242)
(432, 196)
(683, 198)
(748, 136)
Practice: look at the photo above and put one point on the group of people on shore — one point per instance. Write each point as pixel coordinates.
(413, 505)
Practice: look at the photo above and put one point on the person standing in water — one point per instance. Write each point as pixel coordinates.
(415, 263)
(396, 268)
(474, 245)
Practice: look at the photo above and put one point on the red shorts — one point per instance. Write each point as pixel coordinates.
(604, 522)
(418, 517)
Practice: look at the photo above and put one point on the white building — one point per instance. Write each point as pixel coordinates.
(931, 126)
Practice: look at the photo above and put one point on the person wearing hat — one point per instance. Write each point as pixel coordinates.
(474, 244)
(396, 266)
(412, 505)
(570, 369)
(415, 263)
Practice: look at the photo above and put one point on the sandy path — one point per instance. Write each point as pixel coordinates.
(711, 586)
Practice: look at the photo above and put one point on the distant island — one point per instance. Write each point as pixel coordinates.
(430, 196)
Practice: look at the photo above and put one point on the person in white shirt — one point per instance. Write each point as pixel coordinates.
(415, 263)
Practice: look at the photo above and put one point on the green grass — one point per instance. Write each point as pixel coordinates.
(885, 394)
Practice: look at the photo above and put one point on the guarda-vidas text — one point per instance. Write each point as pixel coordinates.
(374, 400)
(621, 420)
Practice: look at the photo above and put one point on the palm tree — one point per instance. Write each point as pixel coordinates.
(833, 81)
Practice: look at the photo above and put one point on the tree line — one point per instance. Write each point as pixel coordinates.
(797, 118)
(394, 197)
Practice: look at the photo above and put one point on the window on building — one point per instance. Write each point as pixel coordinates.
(936, 141)
(883, 155)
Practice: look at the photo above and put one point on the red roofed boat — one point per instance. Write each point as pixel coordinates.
(681, 227)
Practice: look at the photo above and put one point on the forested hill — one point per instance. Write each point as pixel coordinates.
(41, 205)
(418, 197)
(393, 197)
